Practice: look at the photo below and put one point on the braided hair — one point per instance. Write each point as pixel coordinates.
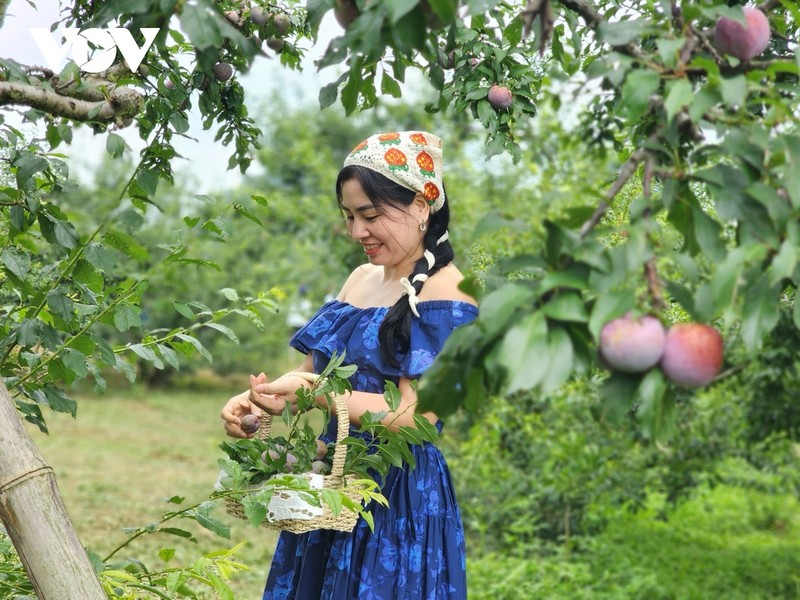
(395, 331)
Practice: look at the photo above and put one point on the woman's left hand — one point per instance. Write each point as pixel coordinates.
(285, 387)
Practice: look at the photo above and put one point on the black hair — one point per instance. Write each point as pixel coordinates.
(395, 332)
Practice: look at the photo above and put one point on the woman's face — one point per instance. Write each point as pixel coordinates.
(389, 236)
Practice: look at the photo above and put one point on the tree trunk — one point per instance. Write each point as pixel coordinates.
(36, 519)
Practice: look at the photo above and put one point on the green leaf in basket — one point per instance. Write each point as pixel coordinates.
(368, 519)
(254, 510)
(333, 498)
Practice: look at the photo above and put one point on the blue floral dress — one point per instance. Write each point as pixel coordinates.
(417, 551)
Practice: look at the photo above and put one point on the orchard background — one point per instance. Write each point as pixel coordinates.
(638, 169)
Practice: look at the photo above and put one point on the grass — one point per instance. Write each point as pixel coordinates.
(732, 543)
(126, 453)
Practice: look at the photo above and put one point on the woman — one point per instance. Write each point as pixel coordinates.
(391, 318)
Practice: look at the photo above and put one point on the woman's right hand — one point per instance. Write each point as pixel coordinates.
(234, 410)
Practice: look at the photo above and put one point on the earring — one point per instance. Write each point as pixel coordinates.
(422, 227)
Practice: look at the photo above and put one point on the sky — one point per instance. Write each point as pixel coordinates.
(206, 160)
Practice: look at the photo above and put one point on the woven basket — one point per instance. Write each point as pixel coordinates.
(314, 517)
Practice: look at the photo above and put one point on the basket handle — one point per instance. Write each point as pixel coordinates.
(342, 418)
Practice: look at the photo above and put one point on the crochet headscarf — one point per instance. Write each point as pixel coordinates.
(412, 159)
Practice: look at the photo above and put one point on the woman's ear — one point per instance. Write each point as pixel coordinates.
(421, 205)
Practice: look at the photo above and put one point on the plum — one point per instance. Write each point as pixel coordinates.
(275, 43)
(282, 23)
(692, 354)
(632, 345)
(500, 97)
(345, 12)
(249, 423)
(743, 41)
(257, 15)
(223, 71)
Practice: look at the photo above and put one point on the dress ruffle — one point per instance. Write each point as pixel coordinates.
(341, 327)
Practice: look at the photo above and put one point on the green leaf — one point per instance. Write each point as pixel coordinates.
(169, 355)
(621, 33)
(212, 524)
(522, 353)
(679, 96)
(196, 344)
(759, 316)
(28, 165)
(734, 91)
(391, 394)
(61, 305)
(562, 355)
(199, 23)
(126, 317)
(115, 145)
(227, 331)
(19, 263)
(656, 410)
(148, 354)
(616, 396)
(426, 428)
(499, 308)
(230, 294)
(328, 94)
(566, 306)
(59, 401)
(610, 306)
(639, 85)
(389, 86)
(183, 309)
(783, 264)
(247, 214)
(181, 533)
(125, 244)
(399, 8)
(166, 554)
(255, 511)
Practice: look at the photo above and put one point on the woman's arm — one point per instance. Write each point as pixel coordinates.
(253, 402)
(357, 402)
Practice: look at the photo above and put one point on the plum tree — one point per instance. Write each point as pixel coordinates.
(632, 344)
(747, 41)
(693, 354)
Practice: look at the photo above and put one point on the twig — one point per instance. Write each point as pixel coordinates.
(625, 174)
(654, 285)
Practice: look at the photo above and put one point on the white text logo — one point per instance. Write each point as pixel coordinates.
(106, 41)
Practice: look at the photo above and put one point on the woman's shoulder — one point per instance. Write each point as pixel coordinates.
(360, 274)
(443, 285)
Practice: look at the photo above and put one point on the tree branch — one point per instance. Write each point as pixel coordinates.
(585, 10)
(121, 102)
(625, 174)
